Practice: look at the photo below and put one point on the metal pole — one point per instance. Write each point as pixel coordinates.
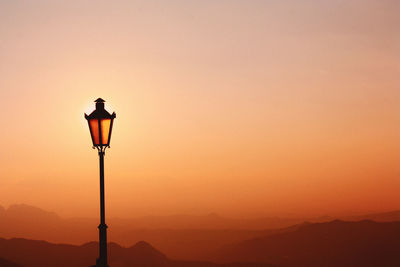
(102, 260)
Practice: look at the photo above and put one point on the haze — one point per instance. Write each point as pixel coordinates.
(242, 108)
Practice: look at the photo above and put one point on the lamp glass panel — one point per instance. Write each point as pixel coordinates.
(105, 130)
(94, 128)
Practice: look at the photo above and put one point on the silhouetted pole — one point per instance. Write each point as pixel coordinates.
(102, 260)
(100, 125)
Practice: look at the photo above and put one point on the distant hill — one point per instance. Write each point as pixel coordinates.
(21, 213)
(32, 253)
(390, 216)
(183, 237)
(331, 244)
(6, 263)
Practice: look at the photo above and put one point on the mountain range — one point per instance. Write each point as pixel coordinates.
(6, 263)
(180, 237)
(331, 244)
(33, 253)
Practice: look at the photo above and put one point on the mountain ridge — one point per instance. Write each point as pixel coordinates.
(38, 253)
(183, 240)
(336, 243)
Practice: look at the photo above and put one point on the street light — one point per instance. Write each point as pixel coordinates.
(100, 126)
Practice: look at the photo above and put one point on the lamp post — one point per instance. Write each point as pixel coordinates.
(100, 126)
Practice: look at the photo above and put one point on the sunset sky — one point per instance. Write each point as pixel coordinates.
(244, 108)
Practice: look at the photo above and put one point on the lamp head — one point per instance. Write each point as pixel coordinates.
(100, 123)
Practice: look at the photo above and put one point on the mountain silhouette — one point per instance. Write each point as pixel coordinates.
(24, 221)
(389, 216)
(23, 210)
(181, 237)
(6, 263)
(33, 253)
(336, 243)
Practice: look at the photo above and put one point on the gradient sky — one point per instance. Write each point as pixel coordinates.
(243, 108)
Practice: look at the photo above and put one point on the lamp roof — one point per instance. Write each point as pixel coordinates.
(100, 112)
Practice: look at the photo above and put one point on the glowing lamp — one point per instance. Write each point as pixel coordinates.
(100, 125)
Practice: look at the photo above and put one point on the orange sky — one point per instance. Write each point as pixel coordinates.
(243, 108)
